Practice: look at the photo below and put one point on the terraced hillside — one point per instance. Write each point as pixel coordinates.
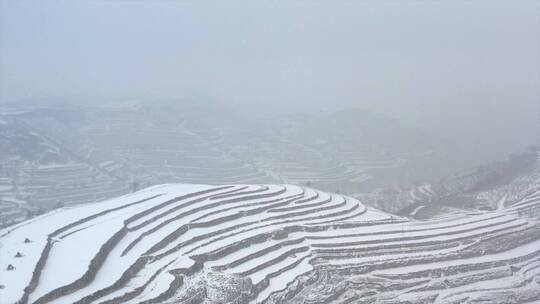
(38, 174)
(57, 154)
(488, 187)
(268, 244)
(183, 142)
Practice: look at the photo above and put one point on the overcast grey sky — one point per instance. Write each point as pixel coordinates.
(458, 67)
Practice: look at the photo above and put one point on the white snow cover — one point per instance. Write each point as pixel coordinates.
(166, 240)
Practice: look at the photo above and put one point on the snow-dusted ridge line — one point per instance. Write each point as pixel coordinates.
(259, 243)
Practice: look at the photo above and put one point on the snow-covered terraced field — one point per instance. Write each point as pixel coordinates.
(181, 243)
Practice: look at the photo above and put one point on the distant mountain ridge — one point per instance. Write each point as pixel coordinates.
(110, 150)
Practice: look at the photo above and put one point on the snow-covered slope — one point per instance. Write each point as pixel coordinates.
(273, 243)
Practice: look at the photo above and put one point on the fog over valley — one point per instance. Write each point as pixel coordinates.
(467, 70)
(269, 152)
